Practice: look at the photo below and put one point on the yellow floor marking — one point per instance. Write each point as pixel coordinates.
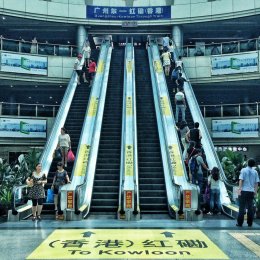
(243, 239)
(127, 244)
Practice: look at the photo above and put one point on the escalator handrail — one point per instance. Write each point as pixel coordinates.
(163, 145)
(126, 132)
(90, 170)
(203, 124)
(51, 144)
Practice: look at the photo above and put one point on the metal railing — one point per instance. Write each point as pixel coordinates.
(40, 48)
(221, 48)
(226, 110)
(25, 109)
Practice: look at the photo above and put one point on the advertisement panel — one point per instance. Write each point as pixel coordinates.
(23, 128)
(22, 63)
(235, 128)
(236, 63)
(128, 13)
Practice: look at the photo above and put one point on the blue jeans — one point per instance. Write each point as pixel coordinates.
(181, 108)
(198, 181)
(215, 198)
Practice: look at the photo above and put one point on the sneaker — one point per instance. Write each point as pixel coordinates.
(33, 218)
(209, 213)
(238, 225)
(39, 218)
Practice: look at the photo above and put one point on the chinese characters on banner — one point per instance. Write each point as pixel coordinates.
(128, 13)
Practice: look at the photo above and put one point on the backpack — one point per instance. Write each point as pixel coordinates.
(194, 167)
(175, 74)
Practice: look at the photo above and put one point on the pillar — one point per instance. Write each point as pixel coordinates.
(177, 36)
(81, 37)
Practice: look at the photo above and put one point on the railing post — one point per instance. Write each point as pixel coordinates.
(37, 48)
(1, 43)
(18, 109)
(53, 111)
(257, 108)
(204, 111)
(54, 50)
(1, 107)
(71, 51)
(221, 111)
(187, 51)
(238, 46)
(36, 111)
(221, 48)
(239, 110)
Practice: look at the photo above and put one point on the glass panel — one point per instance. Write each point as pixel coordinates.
(214, 49)
(232, 110)
(27, 110)
(45, 111)
(25, 47)
(74, 51)
(248, 45)
(10, 45)
(248, 110)
(63, 50)
(230, 47)
(9, 109)
(46, 49)
(213, 111)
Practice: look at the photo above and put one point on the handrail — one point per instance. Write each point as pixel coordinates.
(28, 44)
(174, 170)
(29, 104)
(91, 135)
(229, 104)
(235, 47)
(50, 146)
(129, 176)
(206, 140)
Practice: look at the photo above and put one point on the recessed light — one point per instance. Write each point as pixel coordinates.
(11, 86)
(36, 86)
(60, 86)
(56, 102)
(68, 42)
(50, 97)
(3, 18)
(29, 97)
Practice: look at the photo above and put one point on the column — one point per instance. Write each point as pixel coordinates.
(81, 37)
(177, 36)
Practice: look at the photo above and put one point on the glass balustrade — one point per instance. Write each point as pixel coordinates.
(38, 48)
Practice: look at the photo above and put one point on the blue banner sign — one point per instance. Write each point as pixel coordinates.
(128, 13)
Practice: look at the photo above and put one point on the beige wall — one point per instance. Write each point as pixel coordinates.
(183, 11)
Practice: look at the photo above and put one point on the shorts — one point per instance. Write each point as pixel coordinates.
(64, 148)
(92, 75)
(79, 72)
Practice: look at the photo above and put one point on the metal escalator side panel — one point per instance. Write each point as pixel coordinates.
(212, 158)
(84, 166)
(171, 188)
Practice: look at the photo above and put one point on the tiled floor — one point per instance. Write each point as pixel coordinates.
(19, 240)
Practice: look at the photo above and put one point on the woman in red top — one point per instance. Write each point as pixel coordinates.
(92, 70)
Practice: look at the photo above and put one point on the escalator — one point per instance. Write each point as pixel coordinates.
(107, 175)
(152, 190)
(73, 125)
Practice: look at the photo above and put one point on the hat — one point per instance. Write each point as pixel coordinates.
(80, 55)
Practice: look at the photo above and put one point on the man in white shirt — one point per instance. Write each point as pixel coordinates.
(248, 185)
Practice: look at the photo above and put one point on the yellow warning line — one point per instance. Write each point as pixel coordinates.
(251, 245)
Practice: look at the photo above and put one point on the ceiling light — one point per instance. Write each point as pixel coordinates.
(11, 86)
(50, 97)
(36, 86)
(60, 86)
(56, 102)
(68, 42)
(29, 97)
(3, 18)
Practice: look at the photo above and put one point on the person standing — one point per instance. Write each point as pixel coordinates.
(34, 46)
(248, 184)
(87, 51)
(60, 178)
(214, 183)
(166, 56)
(180, 81)
(37, 193)
(179, 63)
(184, 130)
(92, 70)
(194, 135)
(64, 144)
(78, 65)
(180, 105)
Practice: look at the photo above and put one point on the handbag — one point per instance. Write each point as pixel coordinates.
(71, 156)
(50, 196)
(57, 154)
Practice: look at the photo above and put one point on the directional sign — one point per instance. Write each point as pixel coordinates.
(127, 244)
(82, 160)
